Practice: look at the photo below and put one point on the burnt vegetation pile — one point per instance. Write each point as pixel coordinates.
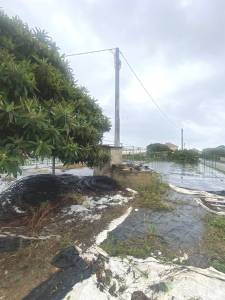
(32, 191)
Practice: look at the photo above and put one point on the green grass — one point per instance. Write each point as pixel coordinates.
(138, 247)
(152, 195)
(133, 247)
(214, 241)
(151, 190)
(219, 265)
(217, 222)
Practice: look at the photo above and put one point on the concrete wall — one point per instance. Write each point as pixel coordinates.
(115, 159)
(116, 156)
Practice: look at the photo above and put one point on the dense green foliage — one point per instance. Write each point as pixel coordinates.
(157, 147)
(163, 152)
(185, 156)
(214, 153)
(43, 112)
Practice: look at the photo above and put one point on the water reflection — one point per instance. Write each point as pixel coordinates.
(197, 177)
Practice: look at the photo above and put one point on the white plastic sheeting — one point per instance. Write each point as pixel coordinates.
(148, 275)
(216, 202)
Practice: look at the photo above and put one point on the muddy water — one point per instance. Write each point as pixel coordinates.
(182, 228)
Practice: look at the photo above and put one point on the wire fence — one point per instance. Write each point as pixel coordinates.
(133, 153)
(46, 162)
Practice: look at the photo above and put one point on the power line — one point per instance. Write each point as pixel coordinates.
(135, 75)
(147, 92)
(89, 52)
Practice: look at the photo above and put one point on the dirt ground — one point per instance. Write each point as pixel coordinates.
(26, 268)
(29, 266)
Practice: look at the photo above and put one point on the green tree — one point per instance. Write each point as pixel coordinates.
(185, 156)
(157, 147)
(43, 112)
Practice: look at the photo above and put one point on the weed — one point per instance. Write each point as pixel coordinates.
(137, 247)
(66, 240)
(39, 216)
(152, 229)
(151, 190)
(151, 194)
(214, 241)
(218, 265)
(217, 221)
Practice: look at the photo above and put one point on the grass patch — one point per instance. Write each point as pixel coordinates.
(219, 265)
(39, 216)
(139, 247)
(214, 241)
(152, 195)
(151, 190)
(217, 222)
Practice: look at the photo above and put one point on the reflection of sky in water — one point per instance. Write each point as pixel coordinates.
(197, 177)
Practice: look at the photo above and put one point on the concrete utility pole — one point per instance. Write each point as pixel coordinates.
(182, 139)
(117, 97)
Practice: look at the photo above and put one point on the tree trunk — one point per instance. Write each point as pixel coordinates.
(53, 165)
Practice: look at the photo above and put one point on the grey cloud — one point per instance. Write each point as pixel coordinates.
(171, 33)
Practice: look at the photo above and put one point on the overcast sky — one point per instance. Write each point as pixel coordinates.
(177, 47)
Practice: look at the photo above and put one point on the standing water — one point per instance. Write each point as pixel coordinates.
(196, 177)
(182, 228)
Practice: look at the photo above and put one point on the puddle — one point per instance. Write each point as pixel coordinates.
(181, 228)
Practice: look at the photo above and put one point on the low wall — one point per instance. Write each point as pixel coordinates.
(115, 154)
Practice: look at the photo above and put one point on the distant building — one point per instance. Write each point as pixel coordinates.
(172, 146)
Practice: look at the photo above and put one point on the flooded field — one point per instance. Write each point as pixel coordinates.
(195, 177)
(154, 249)
(181, 229)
